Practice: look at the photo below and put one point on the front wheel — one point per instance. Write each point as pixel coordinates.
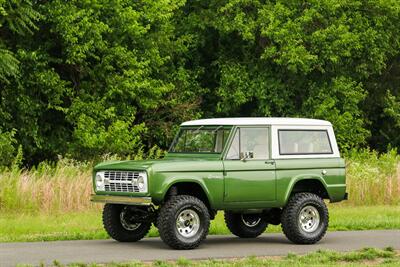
(183, 222)
(120, 223)
(245, 225)
(305, 218)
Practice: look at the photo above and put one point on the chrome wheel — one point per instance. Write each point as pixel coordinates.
(309, 219)
(188, 223)
(126, 223)
(250, 220)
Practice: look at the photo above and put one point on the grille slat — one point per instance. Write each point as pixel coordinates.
(120, 181)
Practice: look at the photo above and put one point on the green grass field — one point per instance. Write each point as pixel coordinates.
(87, 225)
(363, 257)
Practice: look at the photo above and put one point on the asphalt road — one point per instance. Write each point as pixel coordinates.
(102, 251)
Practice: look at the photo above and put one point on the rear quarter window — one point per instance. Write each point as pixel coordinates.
(304, 142)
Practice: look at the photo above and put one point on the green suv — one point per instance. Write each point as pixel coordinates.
(259, 171)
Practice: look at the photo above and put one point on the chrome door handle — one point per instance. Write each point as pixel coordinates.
(271, 162)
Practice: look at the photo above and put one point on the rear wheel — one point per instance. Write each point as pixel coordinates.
(305, 219)
(245, 225)
(121, 224)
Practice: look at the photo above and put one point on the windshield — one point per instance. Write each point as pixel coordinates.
(200, 140)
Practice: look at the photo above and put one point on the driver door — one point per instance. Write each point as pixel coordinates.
(250, 179)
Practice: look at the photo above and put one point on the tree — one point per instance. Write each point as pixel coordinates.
(322, 59)
(85, 78)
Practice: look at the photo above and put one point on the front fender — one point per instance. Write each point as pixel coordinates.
(212, 185)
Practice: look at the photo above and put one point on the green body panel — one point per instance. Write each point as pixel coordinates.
(206, 173)
(250, 180)
(235, 184)
(290, 171)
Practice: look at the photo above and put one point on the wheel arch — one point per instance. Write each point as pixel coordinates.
(308, 183)
(189, 187)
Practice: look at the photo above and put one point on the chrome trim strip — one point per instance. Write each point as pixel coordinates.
(143, 201)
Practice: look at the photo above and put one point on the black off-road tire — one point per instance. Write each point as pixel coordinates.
(167, 222)
(112, 225)
(290, 218)
(237, 227)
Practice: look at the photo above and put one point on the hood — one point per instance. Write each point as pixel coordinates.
(125, 165)
(165, 164)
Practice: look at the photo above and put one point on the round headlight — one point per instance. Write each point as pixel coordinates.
(99, 180)
(140, 182)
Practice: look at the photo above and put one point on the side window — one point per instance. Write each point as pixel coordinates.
(251, 140)
(220, 140)
(294, 142)
(234, 151)
(254, 140)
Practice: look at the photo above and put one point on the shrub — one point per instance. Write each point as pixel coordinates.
(373, 178)
(7, 148)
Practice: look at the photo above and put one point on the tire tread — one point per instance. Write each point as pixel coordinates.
(167, 216)
(290, 213)
(114, 228)
(235, 225)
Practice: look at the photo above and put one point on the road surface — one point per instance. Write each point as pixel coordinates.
(148, 249)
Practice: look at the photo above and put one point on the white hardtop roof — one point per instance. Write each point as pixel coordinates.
(257, 121)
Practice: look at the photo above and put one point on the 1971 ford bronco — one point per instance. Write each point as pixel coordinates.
(259, 171)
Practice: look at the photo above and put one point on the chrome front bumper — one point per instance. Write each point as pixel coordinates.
(142, 201)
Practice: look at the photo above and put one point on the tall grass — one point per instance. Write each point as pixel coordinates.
(372, 179)
(63, 187)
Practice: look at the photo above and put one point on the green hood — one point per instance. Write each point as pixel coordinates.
(125, 165)
(174, 163)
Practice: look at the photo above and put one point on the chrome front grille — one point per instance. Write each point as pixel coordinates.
(120, 181)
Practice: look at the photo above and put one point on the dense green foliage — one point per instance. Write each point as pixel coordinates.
(85, 78)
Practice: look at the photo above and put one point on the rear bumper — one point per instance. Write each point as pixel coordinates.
(140, 201)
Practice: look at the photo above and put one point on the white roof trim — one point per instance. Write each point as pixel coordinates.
(258, 121)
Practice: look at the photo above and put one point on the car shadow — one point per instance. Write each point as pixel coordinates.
(212, 241)
(237, 240)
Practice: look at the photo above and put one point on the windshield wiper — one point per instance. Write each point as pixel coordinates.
(198, 129)
(219, 127)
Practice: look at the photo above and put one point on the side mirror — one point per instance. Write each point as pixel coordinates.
(246, 155)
